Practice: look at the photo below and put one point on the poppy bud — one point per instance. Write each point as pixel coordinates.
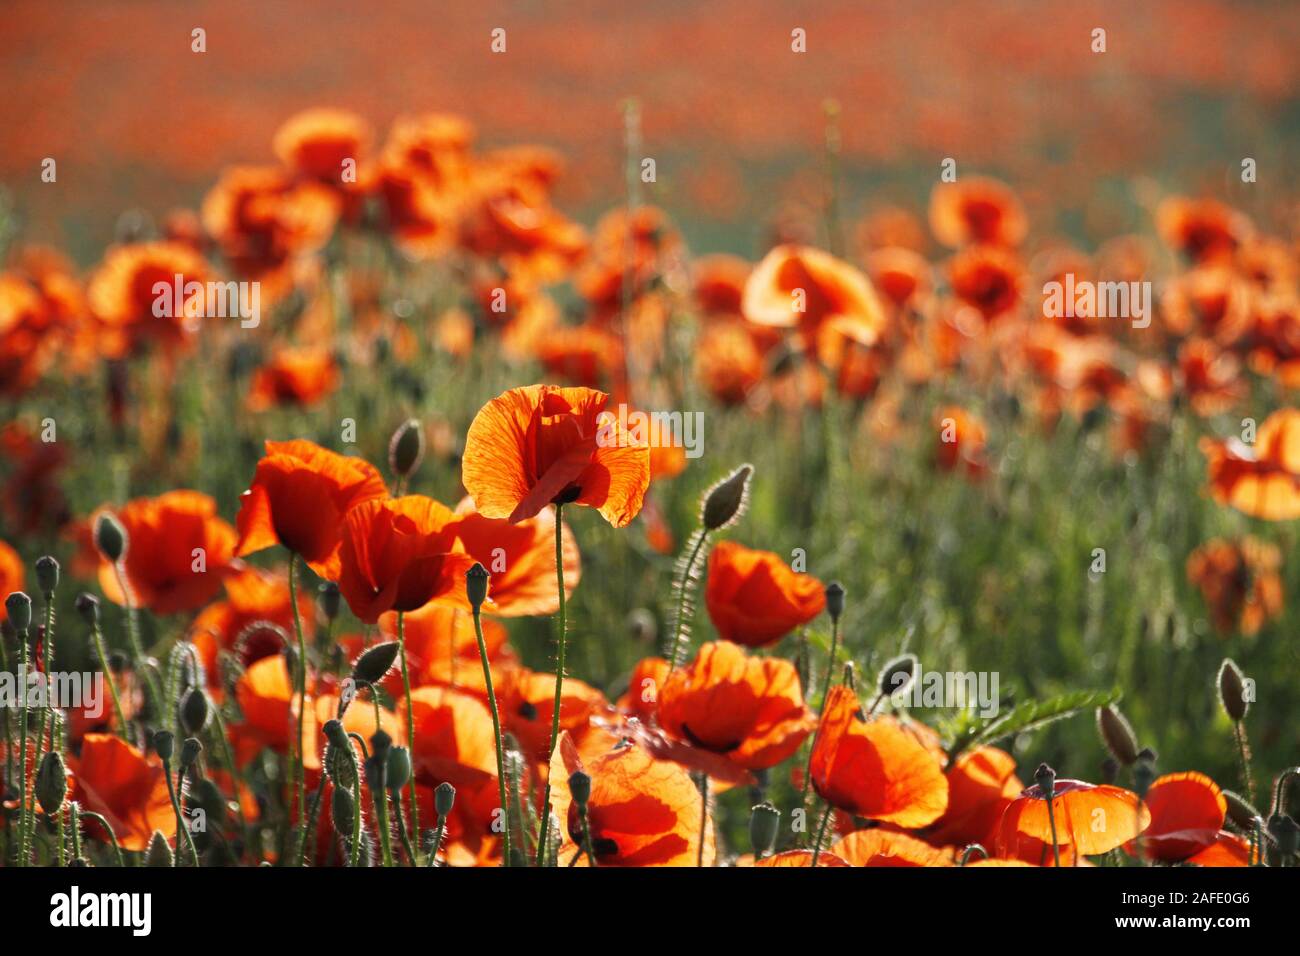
(1286, 833)
(18, 606)
(476, 585)
(399, 768)
(835, 600)
(1045, 777)
(580, 787)
(764, 822)
(190, 750)
(88, 607)
(328, 599)
(47, 575)
(343, 809)
(336, 734)
(374, 663)
(51, 782)
(725, 502)
(1117, 734)
(380, 742)
(164, 742)
(159, 852)
(1232, 691)
(194, 710)
(1109, 770)
(1144, 772)
(1240, 810)
(444, 798)
(110, 537)
(897, 675)
(406, 448)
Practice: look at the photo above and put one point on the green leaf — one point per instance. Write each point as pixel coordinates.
(1030, 715)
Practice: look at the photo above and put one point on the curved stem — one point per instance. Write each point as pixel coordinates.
(496, 736)
(683, 586)
(98, 818)
(559, 679)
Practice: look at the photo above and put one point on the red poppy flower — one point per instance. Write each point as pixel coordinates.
(643, 688)
(253, 595)
(128, 789)
(642, 811)
(316, 142)
(794, 858)
(539, 445)
(1187, 811)
(1201, 229)
(11, 570)
(399, 554)
(755, 599)
(528, 703)
(1228, 849)
(122, 296)
(881, 847)
(1240, 582)
(988, 278)
(178, 552)
(748, 709)
(981, 783)
(976, 209)
(299, 377)
(298, 498)
(878, 769)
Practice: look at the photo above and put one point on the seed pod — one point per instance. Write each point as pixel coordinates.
(88, 607)
(1117, 734)
(380, 743)
(897, 675)
(1232, 691)
(190, 750)
(374, 663)
(725, 502)
(406, 448)
(194, 710)
(47, 575)
(159, 852)
(580, 787)
(110, 537)
(343, 808)
(476, 585)
(835, 600)
(51, 782)
(764, 823)
(1045, 777)
(399, 768)
(18, 606)
(444, 798)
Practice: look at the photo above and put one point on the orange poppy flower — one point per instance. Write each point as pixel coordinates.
(794, 858)
(398, 554)
(300, 377)
(1239, 581)
(541, 444)
(298, 498)
(878, 769)
(642, 811)
(880, 847)
(528, 703)
(1187, 811)
(316, 142)
(720, 284)
(454, 741)
(116, 780)
(122, 298)
(252, 595)
(521, 559)
(583, 354)
(178, 552)
(1210, 300)
(981, 783)
(1201, 229)
(1090, 820)
(755, 599)
(1262, 480)
(961, 441)
(748, 709)
(31, 500)
(807, 289)
(12, 570)
(643, 687)
(977, 209)
(901, 275)
(988, 278)
(510, 219)
(728, 362)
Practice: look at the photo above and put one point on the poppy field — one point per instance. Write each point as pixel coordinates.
(408, 495)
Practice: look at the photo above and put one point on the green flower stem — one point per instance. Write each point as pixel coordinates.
(300, 767)
(683, 586)
(22, 748)
(704, 819)
(410, 725)
(122, 729)
(559, 682)
(821, 834)
(172, 789)
(496, 733)
(354, 851)
(137, 648)
(117, 849)
(1051, 820)
(439, 832)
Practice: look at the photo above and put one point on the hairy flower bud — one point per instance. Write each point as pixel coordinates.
(329, 600)
(897, 675)
(835, 600)
(193, 710)
(406, 448)
(1232, 691)
(725, 502)
(159, 852)
(764, 823)
(343, 808)
(110, 537)
(1117, 734)
(51, 782)
(374, 663)
(399, 768)
(88, 607)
